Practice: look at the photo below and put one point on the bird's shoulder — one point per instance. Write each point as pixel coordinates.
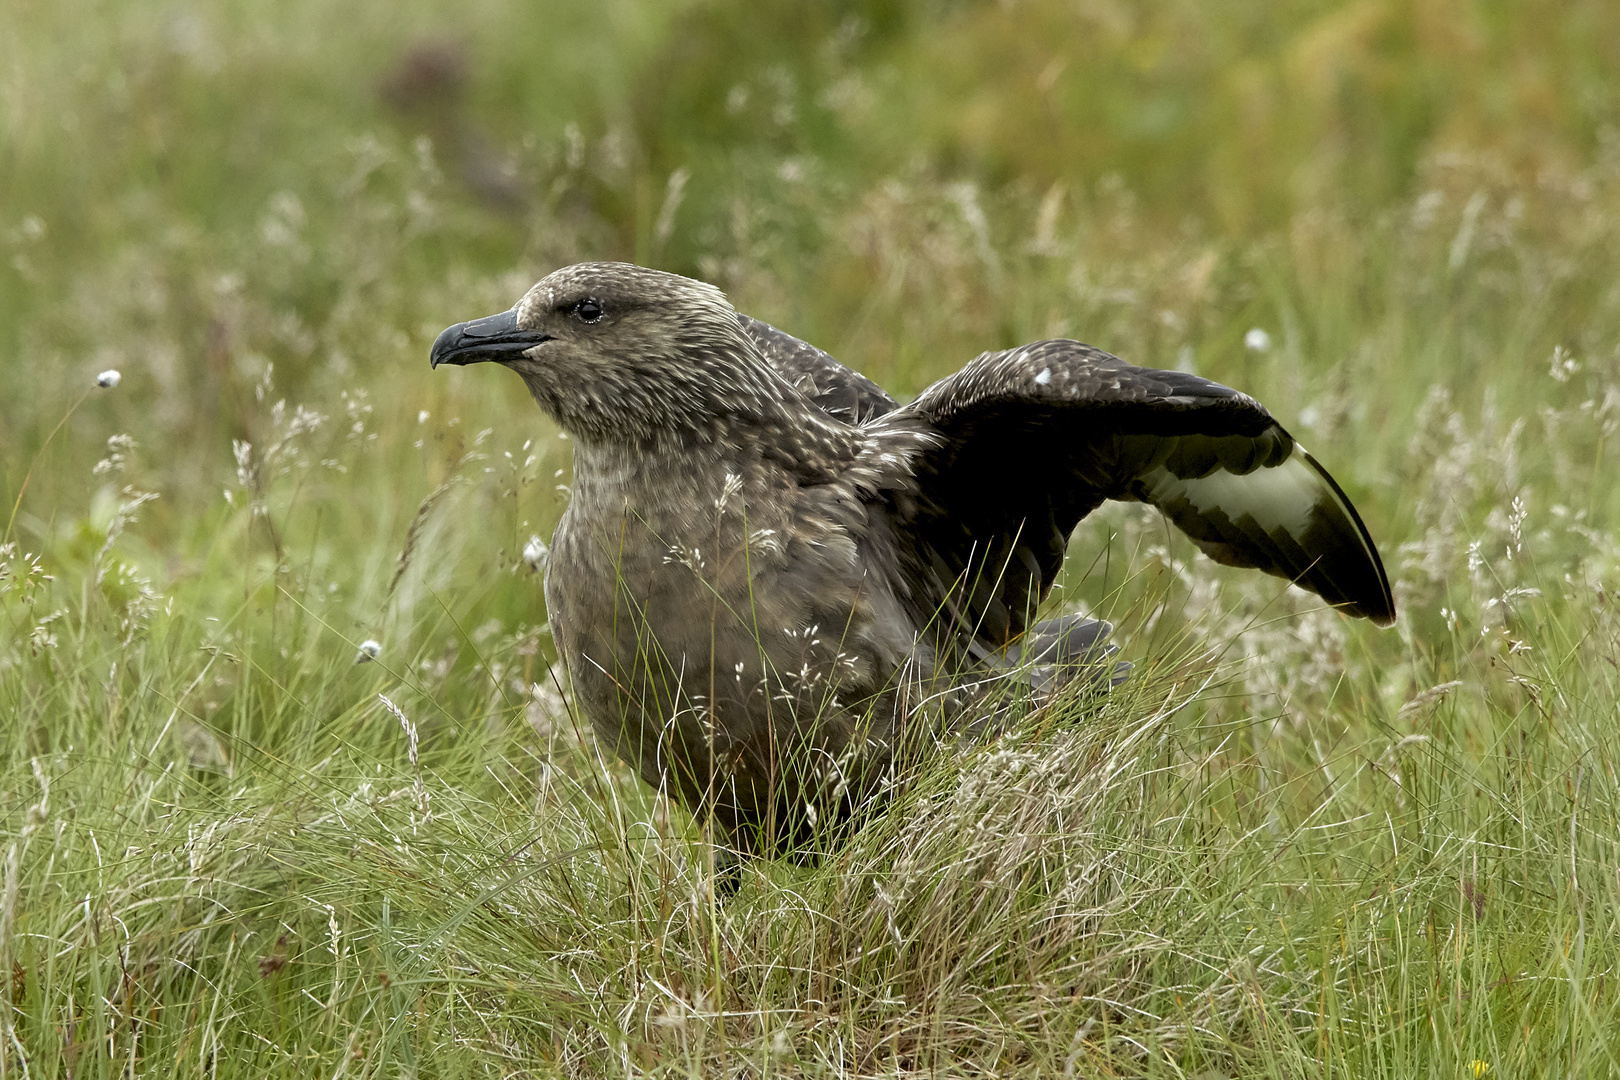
(887, 453)
(839, 391)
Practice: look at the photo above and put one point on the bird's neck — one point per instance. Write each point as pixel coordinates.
(667, 495)
(671, 412)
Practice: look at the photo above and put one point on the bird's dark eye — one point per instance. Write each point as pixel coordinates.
(588, 310)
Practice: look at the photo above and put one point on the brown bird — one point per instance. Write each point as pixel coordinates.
(774, 585)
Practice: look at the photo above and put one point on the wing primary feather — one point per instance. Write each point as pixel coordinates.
(1031, 440)
(1292, 520)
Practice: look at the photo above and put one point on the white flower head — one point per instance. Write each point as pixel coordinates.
(109, 378)
(535, 554)
(1257, 340)
(369, 651)
(1563, 364)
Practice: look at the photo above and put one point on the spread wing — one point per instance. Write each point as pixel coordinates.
(1034, 438)
(841, 392)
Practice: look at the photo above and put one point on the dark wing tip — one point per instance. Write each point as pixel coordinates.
(1376, 601)
(1290, 519)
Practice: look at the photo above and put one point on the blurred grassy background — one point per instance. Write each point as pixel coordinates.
(261, 215)
(195, 190)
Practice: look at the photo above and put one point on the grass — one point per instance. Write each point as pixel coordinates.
(1290, 845)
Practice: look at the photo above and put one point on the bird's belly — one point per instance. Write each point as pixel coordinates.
(734, 674)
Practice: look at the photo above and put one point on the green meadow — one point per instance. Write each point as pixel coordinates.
(1292, 845)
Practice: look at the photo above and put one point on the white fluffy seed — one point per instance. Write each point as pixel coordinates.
(535, 554)
(369, 651)
(109, 378)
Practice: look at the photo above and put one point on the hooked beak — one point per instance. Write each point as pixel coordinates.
(495, 337)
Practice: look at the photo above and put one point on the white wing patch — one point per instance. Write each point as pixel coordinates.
(1282, 497)
(1289, 519)
(1044, 377)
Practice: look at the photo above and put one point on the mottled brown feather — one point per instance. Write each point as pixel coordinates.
(773, 585)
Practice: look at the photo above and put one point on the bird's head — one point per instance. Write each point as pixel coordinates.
(620, 353)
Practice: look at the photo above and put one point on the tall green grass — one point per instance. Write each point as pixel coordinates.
(1290, 845)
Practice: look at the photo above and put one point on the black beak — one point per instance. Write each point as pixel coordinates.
(496, 337)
